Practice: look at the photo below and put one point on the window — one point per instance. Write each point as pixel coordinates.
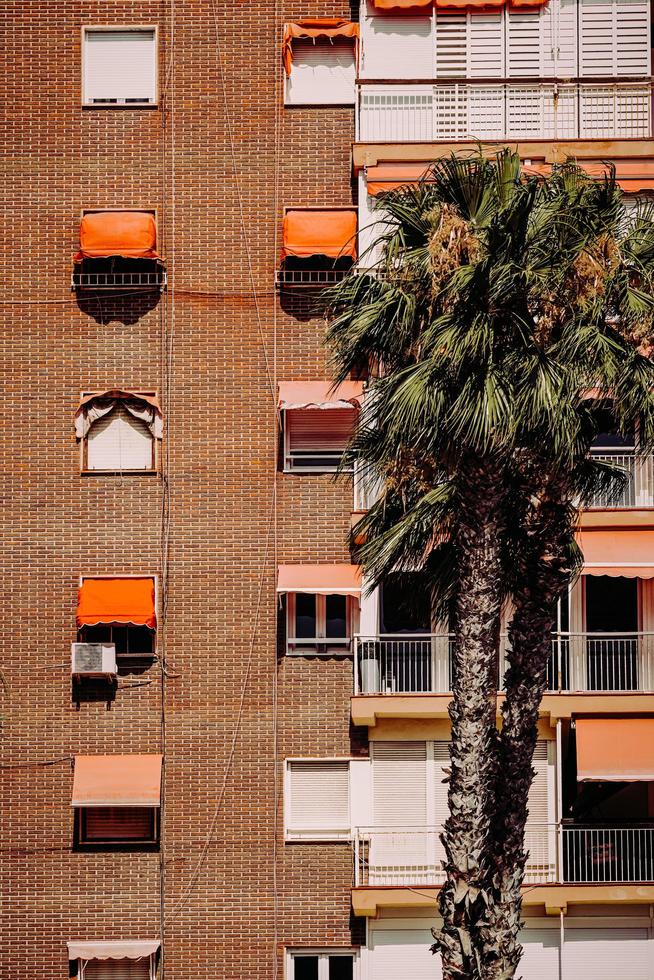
(405, 605)
(314, 439)
(120, 611)
(117, 799)
(123, 969)
(318, 800)
(319, 58)
(114, 959)
(118, 248)
(318, 623)
(319, 245)
(118, 825)
(118, 431)
(322, 965)
(131, 642)
(119, 66)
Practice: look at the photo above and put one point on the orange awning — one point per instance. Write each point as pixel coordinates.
(631, 175)
(320, 231)
(319, 394)
(314, 27)
(117, 780)
(320, 579)
(116, 600)
(479, 5)
(404, 4)
(389, 176)
(622, 553)
(128, 234)
(112, 949)
(617, 750)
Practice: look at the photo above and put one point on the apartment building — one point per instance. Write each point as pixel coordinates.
(238, 770)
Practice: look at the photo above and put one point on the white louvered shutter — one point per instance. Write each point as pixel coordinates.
(322, 73)
(614, 37)
(540, 958)
(402, 845)
(118, 969)
(397, 47)
(118, 441)
(319, 799)
(120, 66)
(371, 225)
(604, 954)
(441, 811)
(402, 953)
(539, 834)
(470, 45)
(542, 42)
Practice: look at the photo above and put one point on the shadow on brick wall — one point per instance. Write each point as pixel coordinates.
(117, 307)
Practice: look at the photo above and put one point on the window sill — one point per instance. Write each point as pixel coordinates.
(318, 837)
(120, 105)
(119, 472)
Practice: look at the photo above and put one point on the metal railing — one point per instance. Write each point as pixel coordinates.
(308, 278)
(413, 856)
(82, 279)
(424, 111)
(639, 488)
(423, 663)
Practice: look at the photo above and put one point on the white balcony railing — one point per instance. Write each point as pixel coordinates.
(583, 662)
(413, 856)
(638, 491)
(422, 112)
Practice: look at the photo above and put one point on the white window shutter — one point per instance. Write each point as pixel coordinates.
(565, 46)
(118, 969)
(397, 47)
(118, 441)
(371, 225)
(399, 779)
(322, 73)
(120, 66)
(540, 839)
(604, 954)
(396, 953)
(614, 37)
(318, 801)
(540, 958)
(470, 45)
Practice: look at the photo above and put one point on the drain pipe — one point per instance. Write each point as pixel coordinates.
(561, 942)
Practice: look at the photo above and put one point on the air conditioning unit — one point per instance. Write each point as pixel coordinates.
(93, 659)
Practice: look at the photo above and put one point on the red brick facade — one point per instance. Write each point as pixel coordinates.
(219, 163)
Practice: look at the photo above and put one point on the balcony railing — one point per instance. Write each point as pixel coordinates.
(580, 662)
(422, 111)
(639, 487)
(637, 492)
(82, 278)
(413, 856)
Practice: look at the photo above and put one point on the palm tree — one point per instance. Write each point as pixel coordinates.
(500, 303)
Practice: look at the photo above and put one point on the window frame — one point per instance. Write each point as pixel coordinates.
(155, 578)
(293, 835)
(289, 456)
(304, 99)
(140, 392)
(323, 953)
(136, 842)
(320, 645)
(82, 964)
(116, 28)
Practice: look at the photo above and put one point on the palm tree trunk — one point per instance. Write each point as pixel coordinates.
(474, 732)
(546, 576)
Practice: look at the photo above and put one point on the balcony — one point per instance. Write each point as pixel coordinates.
(580, 663)
(590, 854)
(419, 112)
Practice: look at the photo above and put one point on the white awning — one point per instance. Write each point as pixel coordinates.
(118, 949)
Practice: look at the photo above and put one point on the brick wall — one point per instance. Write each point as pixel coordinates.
(204, 345)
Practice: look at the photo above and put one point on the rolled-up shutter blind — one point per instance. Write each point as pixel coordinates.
(397, 47)
(539, 834)
(120, 65)
(614, 37)
(402, 953)
(323, 73)
(607, 953)
(470, 45)
(118, 441)
(320, 429)
(319, 796)
(118, 823)
(118, 969)
(399, 774)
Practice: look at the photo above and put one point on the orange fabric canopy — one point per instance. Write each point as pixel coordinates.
(622, 553)
(112, 949)
(617, 750)
(116, 600)
(319, 394)
(313, 27)
(117, 780)
(129, 234)
(389, 176)
(320, 579)
(630, 175)
(320, 231)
